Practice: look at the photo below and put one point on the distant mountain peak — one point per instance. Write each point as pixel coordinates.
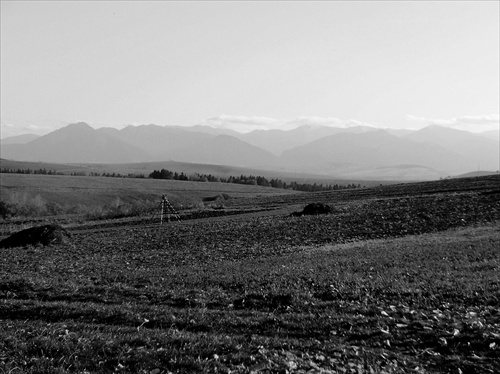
(439, 134)
(441, 129)
(81, 125)
(76, 128)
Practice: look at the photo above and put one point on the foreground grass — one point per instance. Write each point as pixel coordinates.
(422, 303)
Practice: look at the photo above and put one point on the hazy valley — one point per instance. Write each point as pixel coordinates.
(354, 152)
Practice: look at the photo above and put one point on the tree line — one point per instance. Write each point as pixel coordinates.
(30, 171)
(250, 180)
(197, 177)
(74, 173)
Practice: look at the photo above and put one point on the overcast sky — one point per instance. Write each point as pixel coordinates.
(249, 64)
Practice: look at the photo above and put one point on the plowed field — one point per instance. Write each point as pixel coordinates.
(401, 278)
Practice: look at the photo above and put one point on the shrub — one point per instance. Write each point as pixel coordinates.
(118, 209)
(6, 210)
(22, 204)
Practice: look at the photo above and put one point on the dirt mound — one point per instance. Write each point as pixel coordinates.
(44, 235)
(219, 197)
(313, 209)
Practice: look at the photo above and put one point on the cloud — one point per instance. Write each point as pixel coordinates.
(242, 123)
(469, 123)
(250, 123)
(10, 127)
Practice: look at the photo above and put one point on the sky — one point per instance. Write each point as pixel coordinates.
(249, 65)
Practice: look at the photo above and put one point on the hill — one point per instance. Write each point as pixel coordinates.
(73, 191)
(477, 174)
(188, 168)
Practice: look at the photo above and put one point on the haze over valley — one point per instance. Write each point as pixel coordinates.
(350, 152)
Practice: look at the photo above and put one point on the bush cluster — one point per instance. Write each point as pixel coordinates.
(118, 209)
(23, 205)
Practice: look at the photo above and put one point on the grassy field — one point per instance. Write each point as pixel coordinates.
(72, 191)
(221, 171)
(399, 279)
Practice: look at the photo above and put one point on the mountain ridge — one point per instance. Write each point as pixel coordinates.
(431, 153)
(19, 139)
(77, 142)
(371, 149)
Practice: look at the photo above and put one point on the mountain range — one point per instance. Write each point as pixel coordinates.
(353, 152)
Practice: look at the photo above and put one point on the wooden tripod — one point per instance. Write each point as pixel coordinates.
(167, 211)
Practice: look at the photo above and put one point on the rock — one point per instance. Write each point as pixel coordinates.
(257, 368)
(38, 235)
(292, 365)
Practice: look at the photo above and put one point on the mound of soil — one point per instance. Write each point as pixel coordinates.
(219, 197)
(314, 209)
(38, 235)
